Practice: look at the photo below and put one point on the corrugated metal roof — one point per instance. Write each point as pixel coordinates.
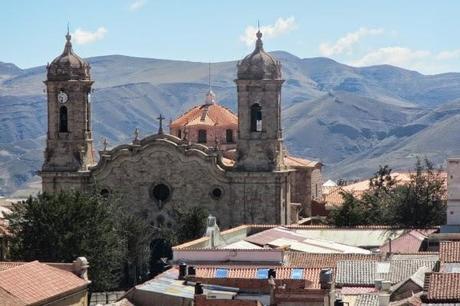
(354, 237)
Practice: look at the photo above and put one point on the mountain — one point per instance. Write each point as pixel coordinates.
(352, 119)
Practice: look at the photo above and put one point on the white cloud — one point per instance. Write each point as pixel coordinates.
(345, 43)
(82, 37)
(397, 56)
(281, 26)
(137, 4)
(448, 55)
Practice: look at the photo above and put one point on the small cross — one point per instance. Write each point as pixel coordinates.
(160, 128)
(136, 134)
(105, 143)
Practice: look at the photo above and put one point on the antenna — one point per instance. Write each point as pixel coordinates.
(209, 75)
(258, 25)
(68, 28)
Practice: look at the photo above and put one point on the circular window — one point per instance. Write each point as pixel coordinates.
(216, 193)
(161, 193)
(105, 193)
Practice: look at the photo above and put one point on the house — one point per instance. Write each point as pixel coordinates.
(36, 283)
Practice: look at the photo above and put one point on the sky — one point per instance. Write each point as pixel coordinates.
(419, 35)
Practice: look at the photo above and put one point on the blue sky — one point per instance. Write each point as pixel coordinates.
(414, 34)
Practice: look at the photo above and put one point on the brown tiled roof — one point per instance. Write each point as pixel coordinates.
(449, 251)
(5, 265)
(36, 282)
(6, 299)
(206, 114)
(443, 287)
(311, 260)
(250, 272)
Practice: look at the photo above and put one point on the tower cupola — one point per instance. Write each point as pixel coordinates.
(259, 65)
(68, 65)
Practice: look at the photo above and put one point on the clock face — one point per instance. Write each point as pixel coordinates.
(62, 97)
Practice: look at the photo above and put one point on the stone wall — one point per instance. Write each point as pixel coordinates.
(192, 174)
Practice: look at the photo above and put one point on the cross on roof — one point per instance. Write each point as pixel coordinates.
(160, 128)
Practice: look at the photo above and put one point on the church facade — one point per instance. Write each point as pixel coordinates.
(258, 183)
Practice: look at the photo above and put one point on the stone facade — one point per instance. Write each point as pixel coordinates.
(162, 171)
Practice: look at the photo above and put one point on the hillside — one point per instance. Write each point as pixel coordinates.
(352, 119)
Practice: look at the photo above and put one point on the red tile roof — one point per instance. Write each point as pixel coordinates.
(206, 114)
(5, 265)
(357, 290)
(293, 161)
(443, 287)
(449, 251)
(36, 282)
(250, 272)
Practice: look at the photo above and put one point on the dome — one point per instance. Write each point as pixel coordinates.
(259, 65)
(68, 65)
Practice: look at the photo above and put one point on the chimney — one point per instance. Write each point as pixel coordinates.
(271, 273)
(80, 267)
(198, 289)
(191, 271)
(182, 271)
(325, 278)
(385, 293)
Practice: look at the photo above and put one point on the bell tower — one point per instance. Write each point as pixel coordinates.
(259, 83)
(69, 145)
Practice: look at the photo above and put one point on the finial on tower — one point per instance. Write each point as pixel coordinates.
(210, 96)
(160, 128)
(68, 36)
(259, 44)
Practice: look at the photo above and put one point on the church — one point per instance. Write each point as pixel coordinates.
(235, 166)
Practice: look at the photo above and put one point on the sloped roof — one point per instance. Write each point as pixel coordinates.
(449, 251)
(354, 272)
(312, 260)
(443, 287)
(367, 300)
(250, 272)
(5, 265)
(36, 282)
(206, 114)
(409, 242)
(293, 161)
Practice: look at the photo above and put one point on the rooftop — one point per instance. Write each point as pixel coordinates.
(36, 282)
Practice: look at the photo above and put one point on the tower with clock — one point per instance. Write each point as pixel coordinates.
(69, 145)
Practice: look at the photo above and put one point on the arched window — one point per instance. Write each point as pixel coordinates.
(179, 133)
(256, 118)
(202, 136)
(229, 136)
(63, 126)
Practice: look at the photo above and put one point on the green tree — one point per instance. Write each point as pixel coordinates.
(64, 226)
(190, 224)
(421, 202)
(351, 213)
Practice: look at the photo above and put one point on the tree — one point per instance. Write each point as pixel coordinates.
(63, 226)
(190, 222)
(418, 203)
(351, 213)
(421, 202)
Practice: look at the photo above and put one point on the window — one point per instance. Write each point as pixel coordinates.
(221, 273)
(161, 193)
(202, 136)
(105, 193)
(63, 126)
(297, 274)
(179, 133)
(256, 118)
(262, 273)
(216, 193)
(229, 136)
